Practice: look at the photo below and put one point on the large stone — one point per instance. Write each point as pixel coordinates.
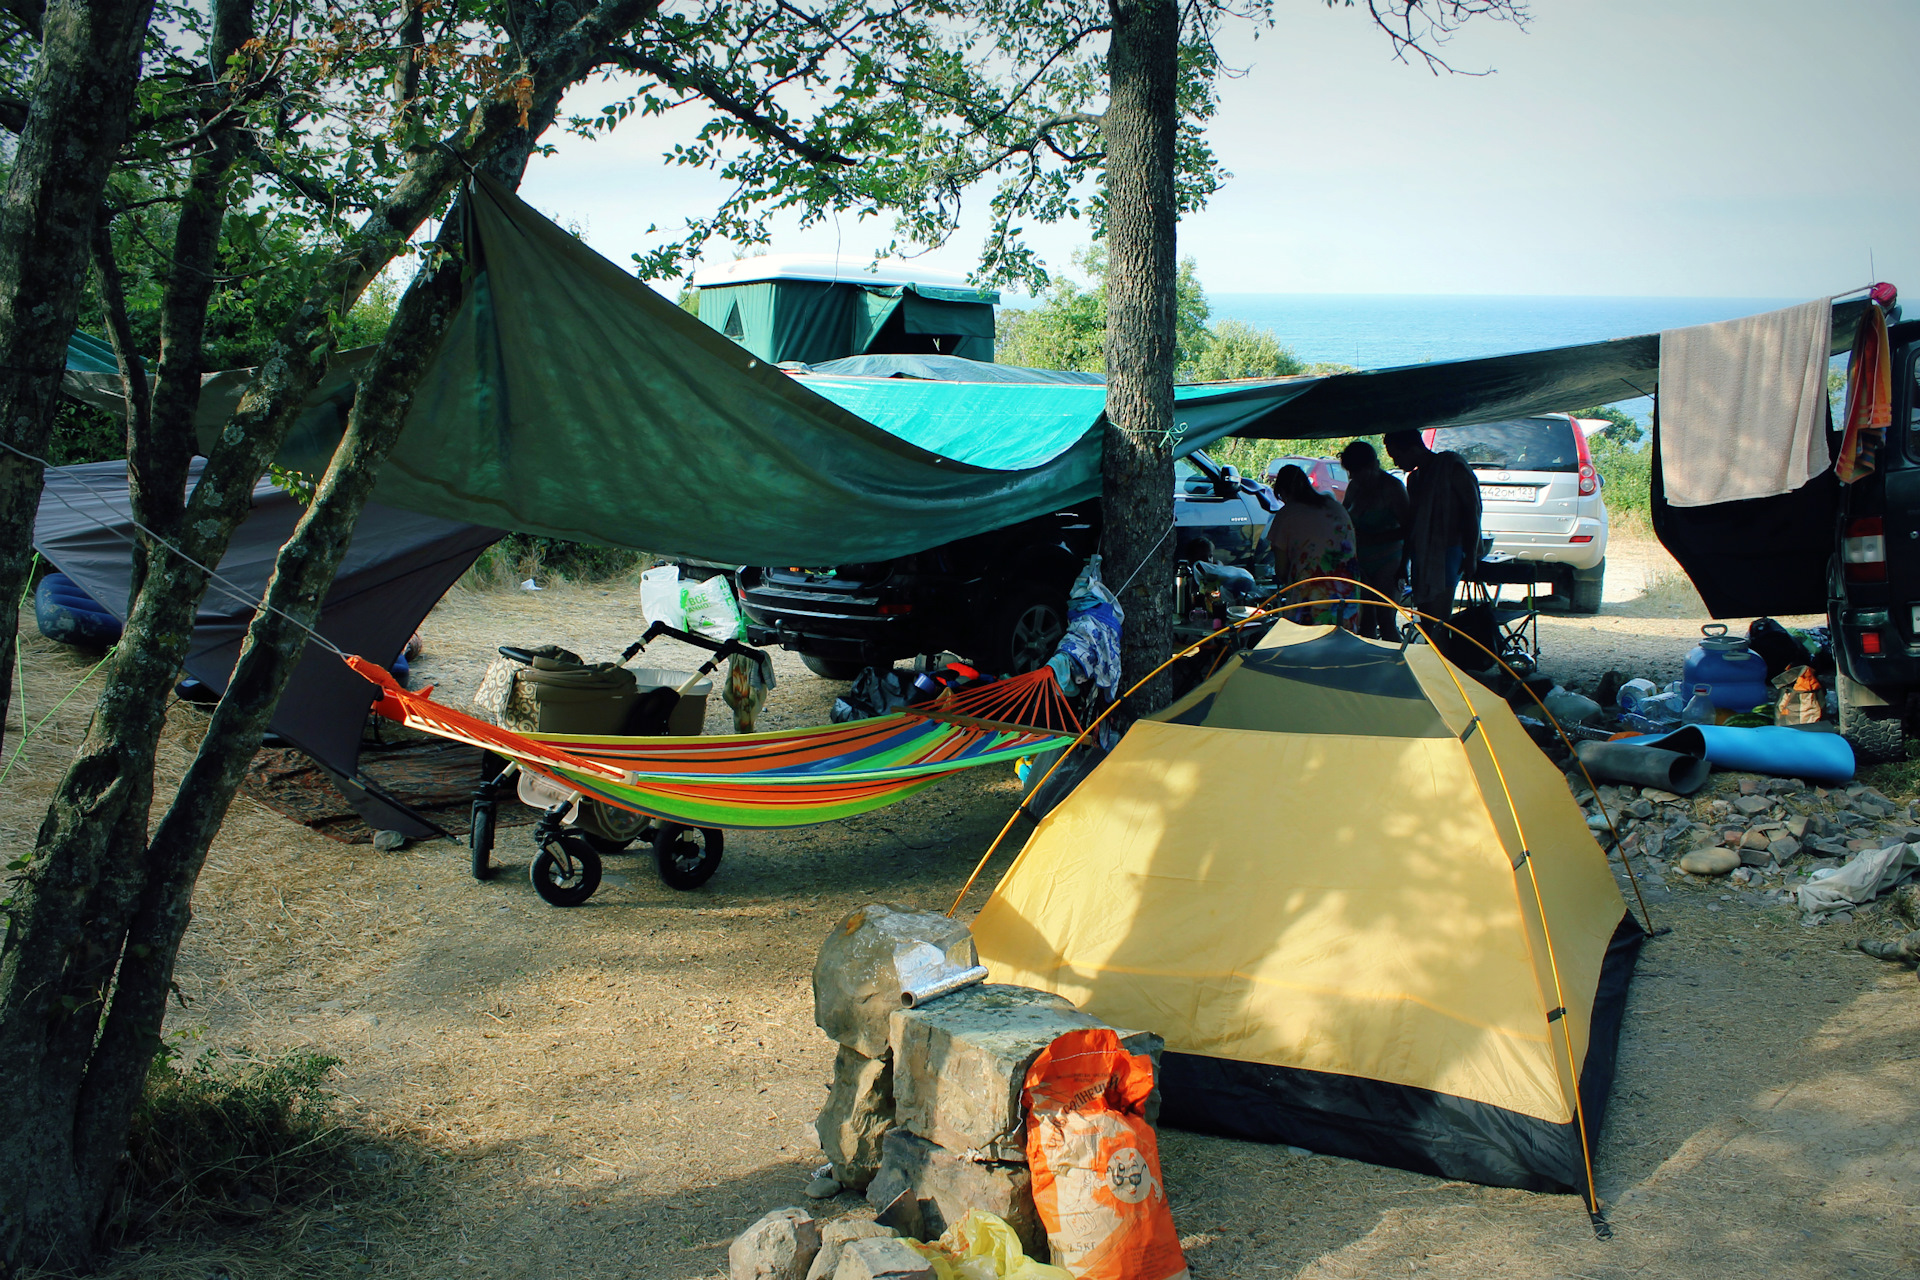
(781, 1246)
(1709, 862)
(882, 1259)
(858, 1113)
(945, 1184)
(834, 1239)
(960, 1063)
(856, 979)
(1751, 805)
(1784, 849)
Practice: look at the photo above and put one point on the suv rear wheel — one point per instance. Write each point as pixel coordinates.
(1025, 629)
(1583, 593)
(1875, 739)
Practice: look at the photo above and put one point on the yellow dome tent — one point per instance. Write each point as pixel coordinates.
(1359, 904)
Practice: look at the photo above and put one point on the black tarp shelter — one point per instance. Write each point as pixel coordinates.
(399, 565)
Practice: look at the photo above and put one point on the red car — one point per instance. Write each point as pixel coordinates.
(1326, 475)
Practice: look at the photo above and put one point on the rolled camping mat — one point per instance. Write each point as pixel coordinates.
(1630, 761)
(1776, 750)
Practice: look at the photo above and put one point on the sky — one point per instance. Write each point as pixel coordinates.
(1641, 148)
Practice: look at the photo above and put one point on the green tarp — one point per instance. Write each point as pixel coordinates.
(571, 400)
(811, 321)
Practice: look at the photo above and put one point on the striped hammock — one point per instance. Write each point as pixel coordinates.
(784, 779)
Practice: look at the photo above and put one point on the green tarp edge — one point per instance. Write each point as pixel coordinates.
(570, 400)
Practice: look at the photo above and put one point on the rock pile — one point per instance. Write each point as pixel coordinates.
(788, 1244)
(925, 1111)
(1771, 833)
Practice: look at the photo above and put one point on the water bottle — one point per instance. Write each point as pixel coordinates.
(1662, 708)
(1699, 708)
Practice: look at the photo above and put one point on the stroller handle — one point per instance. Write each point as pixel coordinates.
(719, 648)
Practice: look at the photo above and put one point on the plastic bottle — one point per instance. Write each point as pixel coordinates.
(1699, 709)
(1571, 708)
(1662, 708)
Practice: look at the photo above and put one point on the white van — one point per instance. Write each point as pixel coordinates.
(1540, 498)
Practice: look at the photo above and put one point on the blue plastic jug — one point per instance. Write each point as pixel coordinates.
(1737, 674)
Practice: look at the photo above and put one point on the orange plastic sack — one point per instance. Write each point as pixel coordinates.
(1096, 1162)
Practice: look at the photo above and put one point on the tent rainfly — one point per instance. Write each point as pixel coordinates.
(808, 308)
(1359, 904)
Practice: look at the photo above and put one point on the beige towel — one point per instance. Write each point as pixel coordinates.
(1743, 405)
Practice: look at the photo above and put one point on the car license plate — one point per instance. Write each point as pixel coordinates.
(1509, 492)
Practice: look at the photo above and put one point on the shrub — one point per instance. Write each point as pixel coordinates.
(520, 556)
(1628, 478)
(231, 1133)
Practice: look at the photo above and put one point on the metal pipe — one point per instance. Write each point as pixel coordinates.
(946, 984)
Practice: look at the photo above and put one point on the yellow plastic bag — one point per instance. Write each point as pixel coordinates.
(981, 1246)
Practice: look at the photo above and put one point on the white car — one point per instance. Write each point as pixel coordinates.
(1540, 498)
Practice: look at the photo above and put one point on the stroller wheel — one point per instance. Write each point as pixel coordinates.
(480, 839)
(688, 855)
(566, 872)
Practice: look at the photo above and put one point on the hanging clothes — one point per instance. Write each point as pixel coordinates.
(1869, 398)
(1744, 405)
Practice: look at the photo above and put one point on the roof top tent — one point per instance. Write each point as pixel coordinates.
(811, 308)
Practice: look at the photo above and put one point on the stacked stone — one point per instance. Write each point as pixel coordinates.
(929, 1119)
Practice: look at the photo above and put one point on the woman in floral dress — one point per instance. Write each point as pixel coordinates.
(1312, 536)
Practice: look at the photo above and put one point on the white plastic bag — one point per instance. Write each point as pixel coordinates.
(1870, 873)
(710, 609)
(660, 596)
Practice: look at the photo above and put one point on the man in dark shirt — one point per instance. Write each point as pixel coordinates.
(1443, 527)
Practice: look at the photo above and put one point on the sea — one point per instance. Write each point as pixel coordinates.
(1381, 331)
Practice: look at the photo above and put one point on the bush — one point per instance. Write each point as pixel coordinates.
(1627, 476)
(232, 1133)
(520, 556)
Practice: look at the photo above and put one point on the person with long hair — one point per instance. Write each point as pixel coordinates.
(1377, 503)
(1312, 536)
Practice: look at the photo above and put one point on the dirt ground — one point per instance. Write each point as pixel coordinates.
(616, 1090)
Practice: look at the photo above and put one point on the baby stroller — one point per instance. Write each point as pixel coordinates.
(575, 831)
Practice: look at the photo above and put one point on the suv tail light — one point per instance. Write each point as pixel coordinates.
(1864, 550)
(1589, 478)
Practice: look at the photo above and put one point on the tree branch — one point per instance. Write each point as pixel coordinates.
(682, 80)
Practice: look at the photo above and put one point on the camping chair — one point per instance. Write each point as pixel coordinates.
(1515, 623)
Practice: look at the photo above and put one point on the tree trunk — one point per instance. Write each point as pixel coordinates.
(303, 572)
(98, 914)
(76, 119)
(1137, 466)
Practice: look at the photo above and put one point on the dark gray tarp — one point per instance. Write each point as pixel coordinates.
(399, 565)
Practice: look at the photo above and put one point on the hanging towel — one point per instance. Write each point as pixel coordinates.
(1869, 398)
(1743, 405)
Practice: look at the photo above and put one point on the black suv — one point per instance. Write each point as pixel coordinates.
(1873, 609)
(998, 598)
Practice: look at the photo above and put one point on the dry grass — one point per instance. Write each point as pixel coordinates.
(616, 1090)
